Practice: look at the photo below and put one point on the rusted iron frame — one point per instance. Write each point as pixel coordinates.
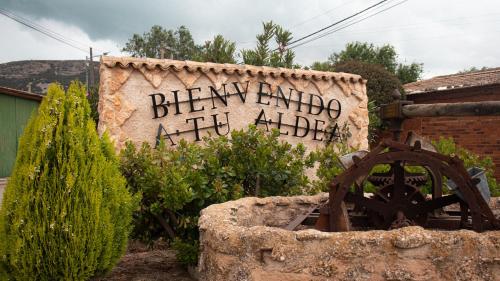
(456, 162)
(298, 220)
(430, 205)
(477, 205)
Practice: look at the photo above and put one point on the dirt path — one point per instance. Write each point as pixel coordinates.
(148, 265)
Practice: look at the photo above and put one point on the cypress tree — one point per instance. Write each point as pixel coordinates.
(66, 212)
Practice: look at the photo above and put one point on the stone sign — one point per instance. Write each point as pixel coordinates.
(146, 99)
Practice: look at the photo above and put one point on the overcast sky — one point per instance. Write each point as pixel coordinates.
(445, 35)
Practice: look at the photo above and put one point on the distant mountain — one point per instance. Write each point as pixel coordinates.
(36, 75)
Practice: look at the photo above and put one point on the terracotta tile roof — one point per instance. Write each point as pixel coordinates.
(176, 65)
(453, 81)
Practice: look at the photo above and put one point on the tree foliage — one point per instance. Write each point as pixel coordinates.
(473, 69)
(66, 213)
(381, 84)
(218, 50)
(385, 56)
(177, 44)
(408, 73)
(263, 54)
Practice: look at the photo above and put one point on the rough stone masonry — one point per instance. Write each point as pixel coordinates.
(245, 240)
(147, 99)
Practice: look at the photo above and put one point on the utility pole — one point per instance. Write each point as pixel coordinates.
(164, 49)
(87, 73)
(91, 65)
(162, 52)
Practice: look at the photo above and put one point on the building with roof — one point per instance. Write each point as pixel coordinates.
(480, 134)
(16, 107)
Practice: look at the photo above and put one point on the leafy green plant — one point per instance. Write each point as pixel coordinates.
(218, 50)
(176, 183)
(329, 166)
(66, 212)
(448, 146)
(187, 252)
(267, 166)
(375, 123)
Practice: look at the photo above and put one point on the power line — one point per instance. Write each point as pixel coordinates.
(346, 25)
(337, 23)
(420, 24)
(322, 14)
(27, 24)
(52, 34)
(43, 28)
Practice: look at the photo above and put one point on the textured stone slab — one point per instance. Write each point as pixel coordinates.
(140, 99)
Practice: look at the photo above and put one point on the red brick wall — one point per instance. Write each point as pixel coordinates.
(479, 134)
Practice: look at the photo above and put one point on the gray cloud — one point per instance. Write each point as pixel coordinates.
(446, 35)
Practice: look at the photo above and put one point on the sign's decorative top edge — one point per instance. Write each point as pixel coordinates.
(240, 69)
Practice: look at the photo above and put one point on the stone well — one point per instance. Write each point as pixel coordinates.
(244, 240)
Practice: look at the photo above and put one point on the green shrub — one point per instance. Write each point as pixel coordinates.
(177, 182)
(66, 213)
(267, 166)
(187, 252)
(329, 166)
(447, 146)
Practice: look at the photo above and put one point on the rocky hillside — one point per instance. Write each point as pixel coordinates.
(36, 75)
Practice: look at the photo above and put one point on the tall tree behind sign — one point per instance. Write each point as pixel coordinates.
(385, 56)
(176, 44)
(263, 55)
(179, 45)
(218, 50)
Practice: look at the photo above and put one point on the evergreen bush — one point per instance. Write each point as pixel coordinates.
(66, 212)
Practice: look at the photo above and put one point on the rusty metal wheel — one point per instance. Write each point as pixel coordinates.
(410, 197)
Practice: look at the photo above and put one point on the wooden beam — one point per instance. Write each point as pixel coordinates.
(452, 109)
